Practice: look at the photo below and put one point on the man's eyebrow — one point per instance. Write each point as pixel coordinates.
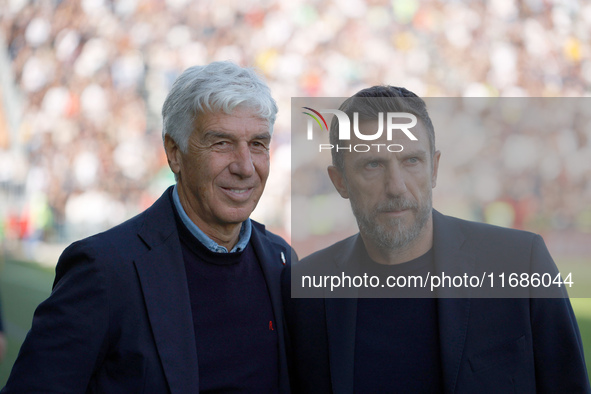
(414, 153)
(263, 136)
(217, 134)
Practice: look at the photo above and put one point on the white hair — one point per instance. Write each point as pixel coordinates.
(218, 86)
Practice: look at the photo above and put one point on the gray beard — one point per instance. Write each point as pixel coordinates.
(394, 234)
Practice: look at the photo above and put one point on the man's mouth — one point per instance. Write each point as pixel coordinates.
(396, 206)
(394, 212)
(396, 209)
(239, 194)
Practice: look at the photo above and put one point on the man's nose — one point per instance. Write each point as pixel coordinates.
(242, 164)
(395, 181)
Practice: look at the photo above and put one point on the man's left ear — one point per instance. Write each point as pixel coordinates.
(436, 157)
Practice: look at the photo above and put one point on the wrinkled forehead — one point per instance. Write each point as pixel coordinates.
(239, 119)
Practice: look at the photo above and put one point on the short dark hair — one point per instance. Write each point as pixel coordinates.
(396, 100)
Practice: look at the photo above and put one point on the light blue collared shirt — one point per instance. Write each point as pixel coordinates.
(209, 243)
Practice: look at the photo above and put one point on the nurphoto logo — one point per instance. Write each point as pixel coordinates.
(315, 116)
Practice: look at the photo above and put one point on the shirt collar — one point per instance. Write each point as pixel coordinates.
(209, 243)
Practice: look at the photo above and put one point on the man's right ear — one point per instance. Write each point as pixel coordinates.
(173, 154)
(338, 180)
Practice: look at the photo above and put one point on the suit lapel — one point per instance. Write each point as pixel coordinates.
(453, 312)
(341, 322)
(271, 261)
(164, 286)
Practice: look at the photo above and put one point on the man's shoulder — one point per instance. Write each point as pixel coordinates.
(481, 232)
(120, 238)
(129, 238)
(505, 248)
(270, 236)
(328, 256)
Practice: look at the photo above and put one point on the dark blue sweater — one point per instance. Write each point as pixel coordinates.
(237, 345)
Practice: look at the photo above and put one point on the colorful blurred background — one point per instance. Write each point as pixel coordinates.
(82, 84)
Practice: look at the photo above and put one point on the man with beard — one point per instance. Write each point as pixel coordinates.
(394, 339)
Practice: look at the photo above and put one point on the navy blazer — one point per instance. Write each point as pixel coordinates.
(119, 317)
(497, 345)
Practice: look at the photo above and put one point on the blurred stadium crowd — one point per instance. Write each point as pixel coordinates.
(83, 83)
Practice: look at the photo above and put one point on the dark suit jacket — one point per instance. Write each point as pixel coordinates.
(119, 317)
(521, 345)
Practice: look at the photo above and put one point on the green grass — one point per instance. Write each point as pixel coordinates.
(24, 285)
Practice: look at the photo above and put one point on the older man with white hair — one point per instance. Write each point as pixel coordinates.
(184, 297)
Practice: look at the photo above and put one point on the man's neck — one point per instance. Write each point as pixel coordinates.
(226, 236)
(415, 248)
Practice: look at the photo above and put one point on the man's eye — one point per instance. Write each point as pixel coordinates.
(373, 164)
(259, 145)
(413, 160)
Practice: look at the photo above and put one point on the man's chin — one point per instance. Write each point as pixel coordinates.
(395, 223)
(235, 215)
(393, 233)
